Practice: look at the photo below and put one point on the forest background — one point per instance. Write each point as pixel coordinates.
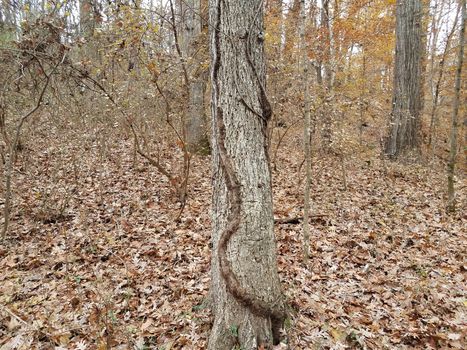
(106, 185)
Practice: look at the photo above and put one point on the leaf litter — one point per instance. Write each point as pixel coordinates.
(111, 269)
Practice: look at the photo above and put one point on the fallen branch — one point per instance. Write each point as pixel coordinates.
(298, 219)
(20, 320)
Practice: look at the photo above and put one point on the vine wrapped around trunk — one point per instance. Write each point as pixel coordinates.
(242, 177)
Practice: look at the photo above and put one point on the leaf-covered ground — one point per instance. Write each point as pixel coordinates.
(95, 260)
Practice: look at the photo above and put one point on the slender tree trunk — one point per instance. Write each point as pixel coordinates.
(2, 19)
(424, 51)
(304, 65)
(311, 32)
(406, 103)
(327, 114)
(434, 33)
(191, 40)
(437, 88)
(362, 98)
(455, 121)
(247, 300)
(326, 28)
(87, 25)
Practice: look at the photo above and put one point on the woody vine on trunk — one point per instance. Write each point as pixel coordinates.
(244, 245)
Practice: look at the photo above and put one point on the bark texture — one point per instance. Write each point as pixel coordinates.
(247, 301)
(405, 116)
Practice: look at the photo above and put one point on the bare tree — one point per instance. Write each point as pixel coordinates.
(246, 296)
(406, 102)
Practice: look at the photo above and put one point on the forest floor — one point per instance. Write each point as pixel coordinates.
(95, 260)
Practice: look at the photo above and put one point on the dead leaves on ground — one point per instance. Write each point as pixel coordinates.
(387, 271)
(387, 268)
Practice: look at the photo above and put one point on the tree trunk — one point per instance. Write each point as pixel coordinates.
(191, 40)
(326, 28)
(455, 119)
(406, 104)
(436, 16)
(304, 65)
(437, 87)
(247, 301)
(327, 98)
(2, 20)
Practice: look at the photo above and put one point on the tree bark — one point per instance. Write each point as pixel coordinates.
(406, 103)
(246, 296)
